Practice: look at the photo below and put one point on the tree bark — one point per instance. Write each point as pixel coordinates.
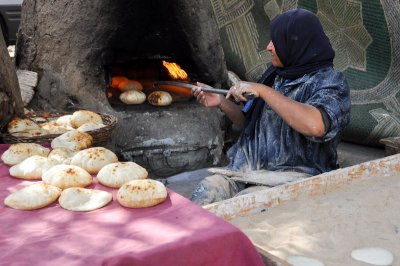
(10, 97)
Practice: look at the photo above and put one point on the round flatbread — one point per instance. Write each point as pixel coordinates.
(33, 197)
(142, 193)
(93, 159)
(303, 261)
(32, 168)
(90, 126)
(84, 116)
(61, 155)
(65, 121)
(53, 128)
(159, 98)
(82, 199)
(66, 176)
(30, 133)
(116, 174)
(73, 140)
(132, 97)
(373, 255)
(19, 125)
(18, 152)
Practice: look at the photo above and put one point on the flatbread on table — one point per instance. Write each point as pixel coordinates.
(93, 159)
(33, 197)
(82, 199)
(142, 193)
(116, 174)
(32, 168)
(18, 152)
(66, 176)
(62, 155)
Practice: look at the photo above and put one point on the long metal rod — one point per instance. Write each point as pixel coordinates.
(191, 86)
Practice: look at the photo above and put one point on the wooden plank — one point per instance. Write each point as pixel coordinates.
(262, 200)
(270, 259)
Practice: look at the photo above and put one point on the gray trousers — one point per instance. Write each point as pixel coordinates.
(206, 188)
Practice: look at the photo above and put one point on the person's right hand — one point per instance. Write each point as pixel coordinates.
(207, 99)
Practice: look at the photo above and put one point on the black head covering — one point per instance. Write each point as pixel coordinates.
(300, 43)
(302, 46)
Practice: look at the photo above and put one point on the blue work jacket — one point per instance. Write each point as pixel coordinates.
(274, 145)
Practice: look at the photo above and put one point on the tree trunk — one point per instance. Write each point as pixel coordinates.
(10, 97)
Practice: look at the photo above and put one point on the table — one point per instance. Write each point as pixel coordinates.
(176, 232)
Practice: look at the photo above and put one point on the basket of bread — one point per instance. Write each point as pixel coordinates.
(44, 127)
(67, 172)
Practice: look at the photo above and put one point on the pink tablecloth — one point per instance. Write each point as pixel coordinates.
(176, 232)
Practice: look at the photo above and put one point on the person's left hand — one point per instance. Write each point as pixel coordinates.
(238, 90)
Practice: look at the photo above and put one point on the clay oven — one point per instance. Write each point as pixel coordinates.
(76, 47)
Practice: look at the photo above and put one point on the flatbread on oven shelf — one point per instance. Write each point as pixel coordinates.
(132, 97)
(159, 98)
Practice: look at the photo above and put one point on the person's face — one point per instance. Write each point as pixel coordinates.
(276, 62)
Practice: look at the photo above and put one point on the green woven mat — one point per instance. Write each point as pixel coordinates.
(366, 39)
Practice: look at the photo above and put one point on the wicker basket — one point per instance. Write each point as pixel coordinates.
(100, 135)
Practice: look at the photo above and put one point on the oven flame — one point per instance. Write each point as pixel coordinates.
(175, 71)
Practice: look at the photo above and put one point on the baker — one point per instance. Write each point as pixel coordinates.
(294, 124)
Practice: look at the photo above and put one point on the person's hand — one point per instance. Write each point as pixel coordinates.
(207, 99)
(238, 90)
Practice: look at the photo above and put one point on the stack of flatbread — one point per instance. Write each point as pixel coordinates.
(82, 120)
(67, 170)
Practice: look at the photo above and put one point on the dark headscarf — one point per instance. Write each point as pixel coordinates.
(302, 46)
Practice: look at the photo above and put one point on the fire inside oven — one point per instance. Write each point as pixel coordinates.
(136, 84)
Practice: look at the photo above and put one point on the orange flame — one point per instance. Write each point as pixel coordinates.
(175, 71)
